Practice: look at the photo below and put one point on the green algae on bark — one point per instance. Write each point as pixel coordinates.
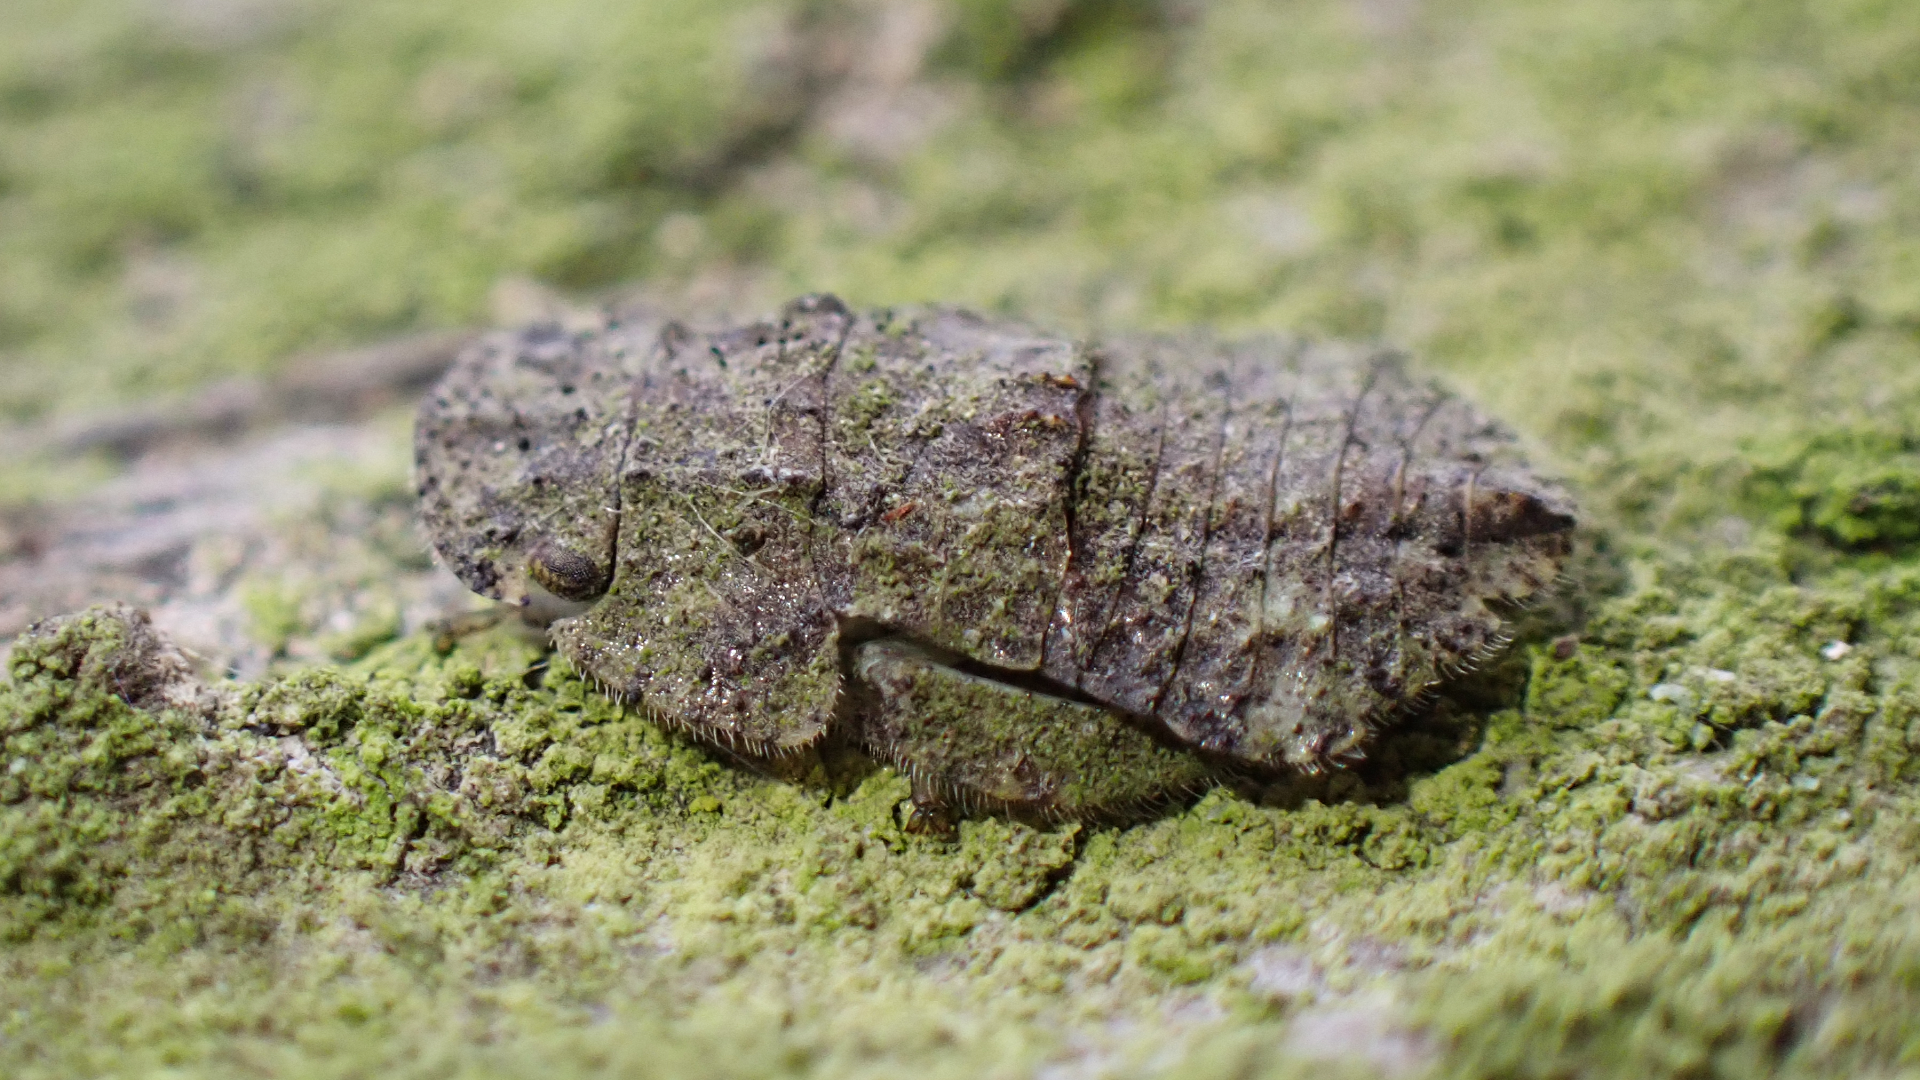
(1698, 795)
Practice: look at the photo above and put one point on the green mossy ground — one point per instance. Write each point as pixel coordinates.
(1674, 834)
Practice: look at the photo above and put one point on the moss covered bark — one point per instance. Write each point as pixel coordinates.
(1689, 850)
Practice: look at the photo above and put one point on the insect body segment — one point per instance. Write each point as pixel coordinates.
(975, 427)
(1037, 576)
(716, 610)
(976, 743)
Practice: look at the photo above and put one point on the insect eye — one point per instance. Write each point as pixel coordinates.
(567, 573)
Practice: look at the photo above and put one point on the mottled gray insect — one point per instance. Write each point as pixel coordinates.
(1037, 575)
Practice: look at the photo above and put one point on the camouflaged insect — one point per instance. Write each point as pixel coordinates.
(1039, 576)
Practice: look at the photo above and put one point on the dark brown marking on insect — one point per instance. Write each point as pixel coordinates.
(1086, 412)
(1273, 523)
(1336, 510)
(1501, 515)
(1407, 441)
(1227, 655)
(1108, 616)
(823, 324)
(1152, 592)
(1466, 517)
(1197, 573)
(1397, 528)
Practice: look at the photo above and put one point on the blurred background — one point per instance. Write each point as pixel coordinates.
(1677, 244)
